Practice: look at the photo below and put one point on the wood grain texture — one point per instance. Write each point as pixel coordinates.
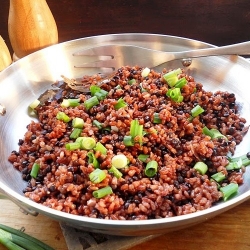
(228, 231)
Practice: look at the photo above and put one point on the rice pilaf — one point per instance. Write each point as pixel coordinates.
(175, 141)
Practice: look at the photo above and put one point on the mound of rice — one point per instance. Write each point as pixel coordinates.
(176, 143)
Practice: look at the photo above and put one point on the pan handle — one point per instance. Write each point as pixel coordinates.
(23, 208)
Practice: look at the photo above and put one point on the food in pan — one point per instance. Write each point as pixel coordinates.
(143, 145)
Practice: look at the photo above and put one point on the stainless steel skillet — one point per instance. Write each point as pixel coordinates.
(29, 77)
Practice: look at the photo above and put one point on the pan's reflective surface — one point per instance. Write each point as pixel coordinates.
(28, 78)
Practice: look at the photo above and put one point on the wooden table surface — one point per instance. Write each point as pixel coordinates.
(227, 231)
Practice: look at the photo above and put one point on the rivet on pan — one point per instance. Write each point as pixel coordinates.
(2, 110)
(186, 62)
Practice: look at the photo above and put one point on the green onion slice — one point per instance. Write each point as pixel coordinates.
(172, 77)
(92, 160)
(34, 170)
(72, 146)
(77, 122)
(34, 104)
(134, 128)
(245, 160)
(201, 167)
(94, 89)
(75, 133)
(120, 104)
(234, 165)
(86, 143)
(229, 190)
(101, 148)
(70, 103)
(213, 133)
(97, 124)
(119, 161)
(145, 72)
(175, 94)
(128, 140)
(116, 172)
(218, 177)
(91, 102)
(197, 110)
(63, 117)
(181, 83)
(97, 176)
(151, 168)
(100, 193)
(98, 92)
(143, 157)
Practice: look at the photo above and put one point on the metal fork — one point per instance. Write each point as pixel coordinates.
(114, 56)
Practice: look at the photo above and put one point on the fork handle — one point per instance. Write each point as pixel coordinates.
(234, 49)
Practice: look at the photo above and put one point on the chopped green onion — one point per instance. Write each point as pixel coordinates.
(119, 161)
(145, 72)
(217, 134)
(218, 177)
(206, 131)
(86, 143)
(102, 192)
(75, 133)
(181, 83)
(175, 94)
(213, 133)
(197, 110)
(151, 168)
(201, 167)
(72, 146)
(172, 77)
(62, 117)
(91, 102)
(34, 104)
(229, 190)
(132, 81)
(116, 172)
(97, 124)
(70, 103)
(234, 165)
(156, 118)
(98, 92)
(244, 158)
(143, 157)
(128, 140)
(134, 127)
(93, 89)
(136, 131)
(92, 160)
(34, 170)
(99, 147)
(97, 176)
(77, 122)
(120, 104)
